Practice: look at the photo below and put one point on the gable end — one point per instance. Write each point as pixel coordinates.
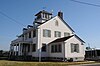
(66, 24)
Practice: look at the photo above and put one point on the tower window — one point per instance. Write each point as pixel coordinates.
(45, 15)
(39, 16)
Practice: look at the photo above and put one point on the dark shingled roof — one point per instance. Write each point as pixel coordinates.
(80, 39)
(43, 11)
(61, 39)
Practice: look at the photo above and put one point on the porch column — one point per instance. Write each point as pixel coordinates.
(16, 49)
(12, 49)
(31, 49)
(19, 48)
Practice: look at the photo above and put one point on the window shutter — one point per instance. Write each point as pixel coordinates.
(77, 47)
(49, 33)
(43, 33)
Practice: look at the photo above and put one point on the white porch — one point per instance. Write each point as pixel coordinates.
(20, 48)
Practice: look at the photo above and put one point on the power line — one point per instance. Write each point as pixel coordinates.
(12, 19)
(85, 3)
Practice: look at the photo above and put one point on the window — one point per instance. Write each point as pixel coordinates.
(30, 34)
(59, 48)
(43, 47)
(56, 23)
(33, 47)
(74, 48)
(57, 34)
(28, 48)
(45, 15)
(39, 16)
(56, 48)
(34, 33)
(25, 36)
(52, 48)
(66, 34)
(46, 33)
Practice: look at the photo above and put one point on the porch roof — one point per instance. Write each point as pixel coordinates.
(61, 39)
(66, 38)
(22, 42)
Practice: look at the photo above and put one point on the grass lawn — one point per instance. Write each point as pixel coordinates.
(21, 63)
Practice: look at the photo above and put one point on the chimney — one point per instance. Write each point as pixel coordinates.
(60, 14)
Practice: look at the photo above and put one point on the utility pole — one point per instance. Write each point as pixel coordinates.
(40, 46)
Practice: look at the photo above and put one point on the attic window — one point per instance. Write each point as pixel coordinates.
(56, 23)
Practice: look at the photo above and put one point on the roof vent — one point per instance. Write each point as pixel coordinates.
(29, 26)
(24, 29)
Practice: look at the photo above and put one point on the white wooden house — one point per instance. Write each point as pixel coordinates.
(49, 38)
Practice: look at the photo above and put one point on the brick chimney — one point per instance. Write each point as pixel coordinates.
(60, 14)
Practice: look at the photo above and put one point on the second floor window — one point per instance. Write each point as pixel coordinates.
(34, 33)
(46, 33)
(25, 36)
(66, 34)
(57, 34)
(30, 34)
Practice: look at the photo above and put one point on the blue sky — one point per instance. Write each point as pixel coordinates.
(84, 19)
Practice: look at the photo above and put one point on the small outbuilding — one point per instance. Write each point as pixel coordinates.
(92, 54)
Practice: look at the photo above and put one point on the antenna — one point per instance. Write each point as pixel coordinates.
(52, 11)
(43, 8)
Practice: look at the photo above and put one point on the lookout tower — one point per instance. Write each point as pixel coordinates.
(42, 17)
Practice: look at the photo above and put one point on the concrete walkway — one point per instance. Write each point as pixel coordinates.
(95, 64)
